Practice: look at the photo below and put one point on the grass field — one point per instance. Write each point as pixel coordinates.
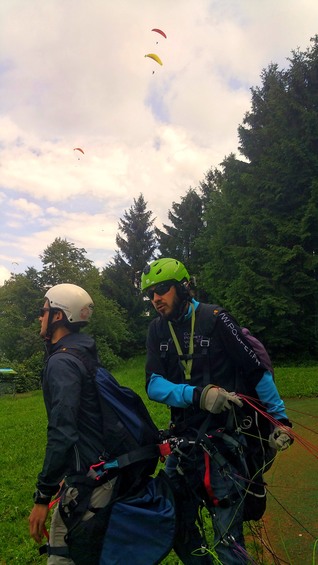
(292, 479)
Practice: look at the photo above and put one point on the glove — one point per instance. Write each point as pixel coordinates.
(279, 439)
(216, 400)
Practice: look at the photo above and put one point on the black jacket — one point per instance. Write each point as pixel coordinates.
(74, 433)
(228, 362)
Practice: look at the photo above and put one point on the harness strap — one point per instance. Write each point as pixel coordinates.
(187, 363)
(139, 454)
(61, 551)
(207, 477)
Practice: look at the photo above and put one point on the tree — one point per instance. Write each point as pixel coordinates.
(178, 239)
(20, 300)
(64, 263)
(138, 243)
(260, 238)
(121, 277)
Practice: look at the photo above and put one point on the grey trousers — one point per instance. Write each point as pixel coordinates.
(100, 498)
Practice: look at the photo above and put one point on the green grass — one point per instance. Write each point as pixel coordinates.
(23, 436)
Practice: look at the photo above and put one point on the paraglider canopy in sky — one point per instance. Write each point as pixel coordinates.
(159, 31)
(78, 149)
(154, 57)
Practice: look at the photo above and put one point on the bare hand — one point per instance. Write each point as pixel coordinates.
(37, 521)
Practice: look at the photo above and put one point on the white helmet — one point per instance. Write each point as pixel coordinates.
(73, 300)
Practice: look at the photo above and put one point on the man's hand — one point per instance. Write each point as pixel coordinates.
(216, 400)
(279, 439)
(37, 521)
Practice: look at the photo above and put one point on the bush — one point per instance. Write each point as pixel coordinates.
(29, 373)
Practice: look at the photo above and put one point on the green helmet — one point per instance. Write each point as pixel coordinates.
(162, 270)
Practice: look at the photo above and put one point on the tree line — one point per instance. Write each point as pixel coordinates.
(248, 233)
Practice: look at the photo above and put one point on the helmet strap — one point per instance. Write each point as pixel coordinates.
(52, 326)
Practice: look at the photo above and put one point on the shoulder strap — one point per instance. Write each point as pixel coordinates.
(207, 316)
(89, 363)
(187, 363)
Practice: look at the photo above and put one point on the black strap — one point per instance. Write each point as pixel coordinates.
(60, 551)
(136, 455)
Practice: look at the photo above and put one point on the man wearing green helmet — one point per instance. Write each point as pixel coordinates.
(198, 359)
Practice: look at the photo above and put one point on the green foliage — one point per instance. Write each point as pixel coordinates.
(20, 299)
(260, 239)
(178, 240)
(121, 278)
(64, 263)
(29, 373)
(137, 244)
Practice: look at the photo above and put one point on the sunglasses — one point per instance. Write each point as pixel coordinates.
(42, 311)
(160, 289)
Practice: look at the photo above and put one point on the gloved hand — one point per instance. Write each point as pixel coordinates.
(279, 439)
(216, 400)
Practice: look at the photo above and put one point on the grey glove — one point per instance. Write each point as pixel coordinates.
(279, 439)
(216, 400)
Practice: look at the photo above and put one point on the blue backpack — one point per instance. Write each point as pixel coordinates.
(131, 436)
(125, 531)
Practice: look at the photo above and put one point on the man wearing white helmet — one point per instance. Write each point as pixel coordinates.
(74, 436)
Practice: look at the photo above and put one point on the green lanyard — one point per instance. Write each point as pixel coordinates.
(186, 364)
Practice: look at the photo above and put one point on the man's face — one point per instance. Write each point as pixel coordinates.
(167, 303)
(43, 318)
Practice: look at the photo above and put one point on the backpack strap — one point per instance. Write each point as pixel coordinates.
(143, 453)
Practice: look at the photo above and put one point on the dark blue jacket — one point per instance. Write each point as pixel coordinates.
(74, 433)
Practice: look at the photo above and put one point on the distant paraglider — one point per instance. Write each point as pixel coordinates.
(159, 31)
(154, 57)
(79, 149)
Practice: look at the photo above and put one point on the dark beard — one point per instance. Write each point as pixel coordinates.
(178, 310)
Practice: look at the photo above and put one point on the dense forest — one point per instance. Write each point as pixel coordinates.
(248, 233)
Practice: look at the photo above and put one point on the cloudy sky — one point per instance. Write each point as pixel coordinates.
(73, 73)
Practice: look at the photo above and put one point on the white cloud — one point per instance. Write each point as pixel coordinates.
(73, 74)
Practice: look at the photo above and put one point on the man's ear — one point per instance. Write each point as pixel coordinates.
(58, 315)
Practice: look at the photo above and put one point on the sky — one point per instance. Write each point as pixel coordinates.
(73, 73)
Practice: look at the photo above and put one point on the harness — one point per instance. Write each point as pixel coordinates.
(208, 316)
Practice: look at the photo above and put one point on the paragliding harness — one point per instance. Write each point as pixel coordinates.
(133, 447)
(256, 456)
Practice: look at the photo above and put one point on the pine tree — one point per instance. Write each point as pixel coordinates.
(177, 240)
(260, 238)
(121, 277)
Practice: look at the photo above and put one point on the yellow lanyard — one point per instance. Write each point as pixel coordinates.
(186, 364)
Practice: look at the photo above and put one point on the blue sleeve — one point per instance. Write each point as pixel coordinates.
(269, 396)
(161, 390)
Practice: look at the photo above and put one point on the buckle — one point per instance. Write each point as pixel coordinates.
(164, 346)
(205, 342)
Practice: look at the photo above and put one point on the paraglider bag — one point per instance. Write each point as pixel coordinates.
(138, 529)
(141, 529)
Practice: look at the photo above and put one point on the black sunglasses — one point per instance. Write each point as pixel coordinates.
(160, 289)
(42, 312)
